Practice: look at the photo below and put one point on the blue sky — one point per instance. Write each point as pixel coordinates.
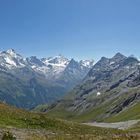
(82, 29)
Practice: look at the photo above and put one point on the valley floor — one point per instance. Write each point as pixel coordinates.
(119, 125)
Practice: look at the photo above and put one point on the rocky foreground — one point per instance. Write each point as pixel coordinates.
(42, 134)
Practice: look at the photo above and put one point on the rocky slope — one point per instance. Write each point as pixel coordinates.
(111, 87)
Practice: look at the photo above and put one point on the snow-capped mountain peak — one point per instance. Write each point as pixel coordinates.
(87, 63)
(52, 67)
(10, 59)
(57, 60)
(11, 51)
(34, 62)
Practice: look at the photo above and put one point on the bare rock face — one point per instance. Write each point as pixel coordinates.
(126, 103)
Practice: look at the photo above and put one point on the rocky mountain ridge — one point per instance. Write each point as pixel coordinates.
(111, 87)
(52, 65)
(27, 82)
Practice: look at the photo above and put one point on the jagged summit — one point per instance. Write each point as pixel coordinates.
(119, 56)
(73, 64)
(51, 67)
(104, 59)
(34, 61)
(11, 51)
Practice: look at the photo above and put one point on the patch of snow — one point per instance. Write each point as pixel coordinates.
(93, 78)
(117, 66)
(12, 53)
(10, 61)
(33, 67)
(58, 61)
(111, 63)
(21, 64)
(87, 63)
(127, 67)
(98, 93)
(58, 65)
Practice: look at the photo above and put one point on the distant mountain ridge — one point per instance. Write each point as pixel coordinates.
(48, 66)
(34, 81)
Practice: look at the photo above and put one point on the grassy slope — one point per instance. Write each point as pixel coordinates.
(12, 117)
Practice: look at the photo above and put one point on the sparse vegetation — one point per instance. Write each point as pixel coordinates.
(8, 136)
(41, 127)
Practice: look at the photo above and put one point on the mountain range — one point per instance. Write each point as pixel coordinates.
(81, 91)
(110, 90)
(27, 82)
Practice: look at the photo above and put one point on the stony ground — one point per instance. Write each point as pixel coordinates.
(118, 125)
(41, 134)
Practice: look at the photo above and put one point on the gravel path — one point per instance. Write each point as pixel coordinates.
(118, 125)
